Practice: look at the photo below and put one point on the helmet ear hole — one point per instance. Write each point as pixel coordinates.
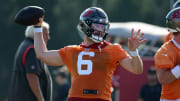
(81, 25)
(88, 22)
(89, 32)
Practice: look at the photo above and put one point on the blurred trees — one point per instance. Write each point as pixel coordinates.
(63, 16)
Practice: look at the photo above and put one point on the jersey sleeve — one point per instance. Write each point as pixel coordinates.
(65, 54)
(31, 64)
(163, 60)
(119, 53)
(62, 53)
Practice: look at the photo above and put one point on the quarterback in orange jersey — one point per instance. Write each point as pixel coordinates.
(92, 63)
(167, 60)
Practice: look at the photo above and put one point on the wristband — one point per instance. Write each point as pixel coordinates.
(176, 71)
(134, 53)
(37, 29)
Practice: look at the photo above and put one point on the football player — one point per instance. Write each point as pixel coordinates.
(167, 60)
(92, 63)
(170, 36)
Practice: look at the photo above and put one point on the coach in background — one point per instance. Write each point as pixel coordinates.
(31, 80)
(167, 60)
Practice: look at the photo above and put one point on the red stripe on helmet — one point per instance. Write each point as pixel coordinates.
(176, 15)
(87, 13)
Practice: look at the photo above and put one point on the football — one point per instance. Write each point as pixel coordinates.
(29, 15)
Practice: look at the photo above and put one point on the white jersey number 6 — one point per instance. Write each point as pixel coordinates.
(81, 62)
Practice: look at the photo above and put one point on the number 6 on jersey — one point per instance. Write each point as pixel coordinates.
(81, 62)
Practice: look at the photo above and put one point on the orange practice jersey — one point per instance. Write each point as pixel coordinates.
(92, 69)
(168, 56)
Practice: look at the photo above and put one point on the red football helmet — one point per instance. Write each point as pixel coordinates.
(173, 20)
(94, 23)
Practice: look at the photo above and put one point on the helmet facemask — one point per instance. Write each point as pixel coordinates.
(99, 32)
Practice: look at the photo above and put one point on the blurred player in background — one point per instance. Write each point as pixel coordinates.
(151, 91)
(92, 63)
(167, 60)
(31, 80)
(62, 84)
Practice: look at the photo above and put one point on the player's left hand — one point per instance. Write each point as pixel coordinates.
(135, 40)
